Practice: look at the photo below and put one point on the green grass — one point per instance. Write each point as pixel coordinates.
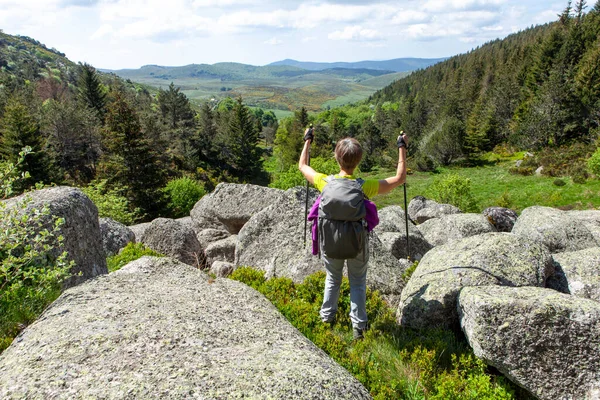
(493, 185)
(391, 361)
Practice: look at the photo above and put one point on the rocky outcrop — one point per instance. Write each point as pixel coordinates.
(545, 341)
(503, 219)
(558, 230)
(392, 233)
(174, 239)
(502, 259)
(577, 273)
(273, 241)
(231, 205)
(448, 228)
(161, 329)
(421, 209)
(81, 230)
(115, 236)
(138, 230)
(223, 250)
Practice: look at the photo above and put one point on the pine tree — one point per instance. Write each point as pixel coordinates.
(174, 106)
(18, 128)
(73, 139)
(130, 160)
(243, 143)
(91, 90)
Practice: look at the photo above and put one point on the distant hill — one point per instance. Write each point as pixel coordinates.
(396, 65)
(25, 58)
(278, 87)
(237, 72)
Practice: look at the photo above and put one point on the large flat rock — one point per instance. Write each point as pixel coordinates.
(160, 329)
(545, 341)
(429, 298)
(559, 230)
(231, 205)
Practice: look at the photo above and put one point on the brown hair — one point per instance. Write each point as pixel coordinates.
(348, 153)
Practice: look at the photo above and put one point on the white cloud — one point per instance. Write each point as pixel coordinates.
(273, 42)
(356, 33)
(307, 39)
(411, 17)
(454, 5)
(103, 31)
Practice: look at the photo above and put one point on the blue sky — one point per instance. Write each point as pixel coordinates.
(130, 33)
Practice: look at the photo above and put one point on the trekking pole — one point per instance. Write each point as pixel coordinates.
(306, 207)
(406, 220)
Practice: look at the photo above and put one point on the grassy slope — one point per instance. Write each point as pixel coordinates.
(490, 183)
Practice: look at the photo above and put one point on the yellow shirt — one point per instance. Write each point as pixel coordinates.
(370, 187)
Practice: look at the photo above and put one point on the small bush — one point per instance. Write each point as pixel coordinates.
(293, 177)
(409, 271)
(111, 203)
(31, 273)
(579, 173)
(558, 161)
(525, 171)
(183, 194)
(424, 163)
(453, 189)
(129, 253)
(593, 163)
(504, 150)
(559, 182)
(504, 200)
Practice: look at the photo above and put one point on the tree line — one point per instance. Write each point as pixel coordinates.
(87, 128)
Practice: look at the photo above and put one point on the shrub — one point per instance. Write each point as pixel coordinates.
(183, 194)
(30, 272)
(593, 163)
(579, 173)
(424, 163)
(129, 253)
(453, 189)
(392, 362)
(504, 150)
(525, 171)
(409, 271)
(111, 203)
(558, 161)
(559, 182)
(504, 200)
(293, 177)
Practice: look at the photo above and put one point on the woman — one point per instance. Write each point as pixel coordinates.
(348, 154)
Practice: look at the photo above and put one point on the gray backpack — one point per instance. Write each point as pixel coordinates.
(341, 226)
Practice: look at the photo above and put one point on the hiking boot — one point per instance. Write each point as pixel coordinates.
(359, 333)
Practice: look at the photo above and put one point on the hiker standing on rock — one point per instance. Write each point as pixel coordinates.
(344, 214)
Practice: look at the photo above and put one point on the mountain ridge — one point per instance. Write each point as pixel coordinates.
(397, 64)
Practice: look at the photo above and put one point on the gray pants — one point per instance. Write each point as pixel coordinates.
(357, 275)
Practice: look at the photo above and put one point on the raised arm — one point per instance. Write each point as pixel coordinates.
(303, 166)
(388, 184)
